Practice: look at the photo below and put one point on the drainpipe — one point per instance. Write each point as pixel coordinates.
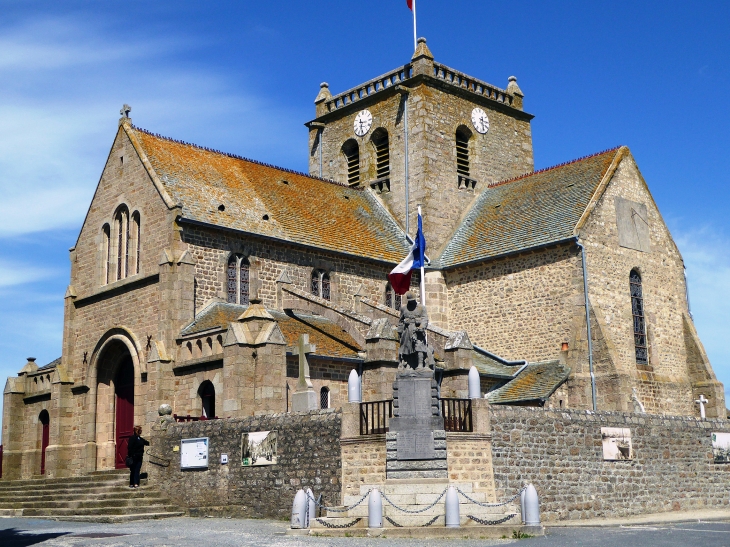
(321, 131)
(588, 320)
(404, 91)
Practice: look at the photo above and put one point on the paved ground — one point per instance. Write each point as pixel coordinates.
(207, 532)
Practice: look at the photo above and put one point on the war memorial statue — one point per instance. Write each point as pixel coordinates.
(414, 351)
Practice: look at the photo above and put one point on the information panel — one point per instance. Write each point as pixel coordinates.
(194, 453)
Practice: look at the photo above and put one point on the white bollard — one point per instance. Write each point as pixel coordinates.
(311, 507)
(452, 508)
(375, 509)
(475, 387)
(299, 510)
(532, 507)
(353, 387)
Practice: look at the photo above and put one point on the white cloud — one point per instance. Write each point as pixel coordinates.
(17, 273)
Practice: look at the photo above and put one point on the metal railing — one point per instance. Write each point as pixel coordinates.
(188, 418)
(457, 415)
(375, 417)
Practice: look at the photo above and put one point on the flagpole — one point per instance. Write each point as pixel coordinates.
(415, 42)
(423, 275)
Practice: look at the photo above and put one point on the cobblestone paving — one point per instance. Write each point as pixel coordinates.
(215, 532)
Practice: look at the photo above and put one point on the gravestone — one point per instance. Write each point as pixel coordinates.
(304, 397)
(416, 441)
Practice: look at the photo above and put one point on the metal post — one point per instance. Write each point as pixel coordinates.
(452, 508)
(375, 509)
(311, 508)
(588, 321)
(405, 142)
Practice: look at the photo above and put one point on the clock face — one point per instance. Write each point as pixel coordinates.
(480, 120)
(363, 121)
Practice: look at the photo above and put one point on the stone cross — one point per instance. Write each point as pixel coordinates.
(304, 398)
(702, 401)
(126, 109)
(302, 348)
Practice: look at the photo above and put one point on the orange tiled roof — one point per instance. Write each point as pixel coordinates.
(536, 383)
(271, 201)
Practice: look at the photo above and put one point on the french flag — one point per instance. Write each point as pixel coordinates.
(409, 3)
(400, 277)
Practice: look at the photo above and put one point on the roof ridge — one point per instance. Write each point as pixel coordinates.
(543, 170)
(237, 157)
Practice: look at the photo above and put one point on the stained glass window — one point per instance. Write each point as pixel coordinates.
(324, 398)
(315, 282)
(321, 284)
(325, 285)
(392, 299)
(637, 311)
(107, 252)
(243, 281)
(232, 281)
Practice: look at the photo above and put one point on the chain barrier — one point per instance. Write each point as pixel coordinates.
(334, 509)
(513, 498)
(396, 525)
(330, 525)
(417, 510)
(485, 522)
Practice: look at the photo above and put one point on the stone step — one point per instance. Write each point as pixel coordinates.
(68, 492)
(96, 477)
(414, 487)
(122, 493)
(109, 518)
(100, 511)
(84, 503)
(472, 509)
(70, 486)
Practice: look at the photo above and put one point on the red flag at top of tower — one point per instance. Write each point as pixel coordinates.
(410, 4)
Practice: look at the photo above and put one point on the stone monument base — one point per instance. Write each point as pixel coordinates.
(304, 401)
(428, 443)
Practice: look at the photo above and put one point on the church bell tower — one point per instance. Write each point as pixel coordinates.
(423, 134)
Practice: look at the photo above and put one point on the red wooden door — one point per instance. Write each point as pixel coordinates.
(124, 389)
(45, 435)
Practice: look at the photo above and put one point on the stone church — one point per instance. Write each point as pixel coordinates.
(195, 273)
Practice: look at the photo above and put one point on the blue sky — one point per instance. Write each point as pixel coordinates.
(242, 77)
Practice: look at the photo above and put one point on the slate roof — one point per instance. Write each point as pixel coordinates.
(51, 365)
(495, 367)
(272, 202)
(522, 213)
(536, 383)
(330, 339)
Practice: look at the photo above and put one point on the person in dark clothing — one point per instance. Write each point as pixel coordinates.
(135, 450)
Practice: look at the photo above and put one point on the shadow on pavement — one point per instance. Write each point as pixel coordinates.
(12, 537)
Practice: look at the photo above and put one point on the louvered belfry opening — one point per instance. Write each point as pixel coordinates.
(637, 311)
(351, 150)
(462, 150)
(382, 153)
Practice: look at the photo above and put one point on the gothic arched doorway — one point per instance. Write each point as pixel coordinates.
(124, 406)
(45, 422)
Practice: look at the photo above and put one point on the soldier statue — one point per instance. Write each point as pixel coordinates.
(414, 350)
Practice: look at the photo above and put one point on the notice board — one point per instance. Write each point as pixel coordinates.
(194, 453)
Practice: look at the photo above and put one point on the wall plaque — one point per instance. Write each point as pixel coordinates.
(194, 453)
(415, 445)
(414, 397)
(616, 443)
(721, 447)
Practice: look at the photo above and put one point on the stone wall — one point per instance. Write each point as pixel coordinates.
(308, 456)
(560, 452)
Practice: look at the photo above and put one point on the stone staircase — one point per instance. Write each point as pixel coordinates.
(102, 496)
(418, 495)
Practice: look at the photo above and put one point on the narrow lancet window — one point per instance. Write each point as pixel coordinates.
(637, 311)
(462, 150)
(106, 253)
(136, 233)
(382, 153)
(238, 280)
(351, 150)
(392, 299)
(321, 284)
(324, 398)
(121, 221)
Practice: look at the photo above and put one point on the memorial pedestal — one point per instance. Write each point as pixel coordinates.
(416, 442)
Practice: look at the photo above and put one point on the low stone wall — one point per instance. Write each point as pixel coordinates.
(561, 453)
(308, 454)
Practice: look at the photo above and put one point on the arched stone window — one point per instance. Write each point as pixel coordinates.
(121, 232)
(637, 312)
(463, 134)
(351, 150)
(106, 253)
(392, 299)
(321, 283)
(206, 392)
(238, 279)
(136, 244)
(382, 152)
(324, 397)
